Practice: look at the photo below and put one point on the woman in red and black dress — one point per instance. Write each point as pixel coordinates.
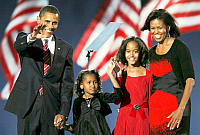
(173, 76)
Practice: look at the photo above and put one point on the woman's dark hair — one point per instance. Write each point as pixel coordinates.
(50, 9)
(80, 92)
(167, 19)
(143, 51)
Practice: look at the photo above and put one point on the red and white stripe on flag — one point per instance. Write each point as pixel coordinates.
(126, 11)
(23, 19)
(133, 16)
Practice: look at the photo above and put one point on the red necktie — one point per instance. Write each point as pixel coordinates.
(47, 57)
(47, 61)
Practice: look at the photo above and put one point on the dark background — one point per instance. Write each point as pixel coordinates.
(75, 17)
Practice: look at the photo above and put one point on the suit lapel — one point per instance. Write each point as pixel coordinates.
(40, 64)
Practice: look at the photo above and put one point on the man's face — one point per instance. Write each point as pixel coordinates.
(50, 20)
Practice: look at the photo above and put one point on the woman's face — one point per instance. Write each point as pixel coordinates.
(158, 30)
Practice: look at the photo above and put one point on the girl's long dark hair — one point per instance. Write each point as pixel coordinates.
(143, 51)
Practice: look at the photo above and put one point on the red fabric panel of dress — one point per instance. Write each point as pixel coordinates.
(160, 68)
(163, 105)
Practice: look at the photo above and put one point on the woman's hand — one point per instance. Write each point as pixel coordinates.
(176, 118)
(178, 114)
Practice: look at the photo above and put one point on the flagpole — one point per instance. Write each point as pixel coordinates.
(88, 55)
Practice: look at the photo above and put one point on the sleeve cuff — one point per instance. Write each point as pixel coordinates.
(28, 38)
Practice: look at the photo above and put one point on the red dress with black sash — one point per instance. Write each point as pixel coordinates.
(133, 116)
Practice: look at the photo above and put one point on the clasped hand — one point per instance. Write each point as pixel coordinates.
(59, 121)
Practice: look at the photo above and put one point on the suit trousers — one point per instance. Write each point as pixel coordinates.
(34, 123)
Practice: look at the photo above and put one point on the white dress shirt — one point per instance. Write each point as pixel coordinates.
(51, 44)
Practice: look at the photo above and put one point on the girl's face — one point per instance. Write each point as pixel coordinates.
(132, 53)
(89, 85)
(158, 30)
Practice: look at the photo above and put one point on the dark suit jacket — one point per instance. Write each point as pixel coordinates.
(57, 83)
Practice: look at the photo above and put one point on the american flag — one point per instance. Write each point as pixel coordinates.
(23, 19)
(133, 16)
(126, 11)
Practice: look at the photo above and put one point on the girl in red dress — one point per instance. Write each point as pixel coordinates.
(136, 83)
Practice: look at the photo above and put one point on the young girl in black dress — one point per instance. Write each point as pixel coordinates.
(90, 107)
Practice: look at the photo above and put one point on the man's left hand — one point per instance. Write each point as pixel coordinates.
(59, 121)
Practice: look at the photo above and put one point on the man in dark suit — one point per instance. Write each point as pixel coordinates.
(42, 94)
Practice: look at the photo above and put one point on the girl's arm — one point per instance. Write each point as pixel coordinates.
(68, 128)
(110, 74)
(115, 81)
